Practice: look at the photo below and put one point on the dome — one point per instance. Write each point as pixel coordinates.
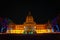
(29, 18)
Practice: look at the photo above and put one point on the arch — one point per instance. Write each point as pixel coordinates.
(55, 24)
(55, 28)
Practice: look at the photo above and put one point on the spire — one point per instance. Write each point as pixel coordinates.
(48, 22)
(29, 17)
(29, 14)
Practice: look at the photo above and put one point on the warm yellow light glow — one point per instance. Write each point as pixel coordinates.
(15, 31)
(21, 31)
(41, 31)
(49, 30)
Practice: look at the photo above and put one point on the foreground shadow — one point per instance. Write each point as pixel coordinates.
(45, 36)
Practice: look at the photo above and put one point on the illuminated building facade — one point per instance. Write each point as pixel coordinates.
(29, 27)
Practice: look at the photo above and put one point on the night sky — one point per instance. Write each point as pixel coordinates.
(42, 11)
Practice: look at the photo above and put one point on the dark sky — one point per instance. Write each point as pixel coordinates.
(17, 10)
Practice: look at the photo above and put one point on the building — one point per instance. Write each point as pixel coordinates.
(29, 27)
